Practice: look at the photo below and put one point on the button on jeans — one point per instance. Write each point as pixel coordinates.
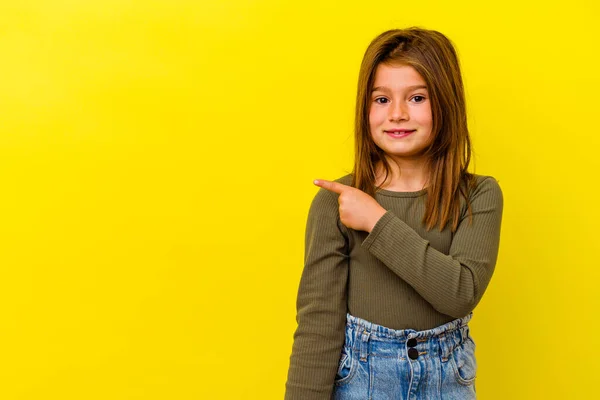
(379, 363)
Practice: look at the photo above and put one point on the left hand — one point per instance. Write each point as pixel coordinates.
(358, 210)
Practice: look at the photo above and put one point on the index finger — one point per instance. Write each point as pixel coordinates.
(331, 186)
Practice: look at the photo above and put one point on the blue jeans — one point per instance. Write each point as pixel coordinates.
(380, 363)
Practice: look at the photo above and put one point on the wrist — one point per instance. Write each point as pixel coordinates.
(376, 217)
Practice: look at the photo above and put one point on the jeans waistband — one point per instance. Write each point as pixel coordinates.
(442, 339)
(384, 332)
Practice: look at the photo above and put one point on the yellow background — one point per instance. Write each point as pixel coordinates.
(156, 167)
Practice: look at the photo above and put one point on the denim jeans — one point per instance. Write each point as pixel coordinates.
(379, 363)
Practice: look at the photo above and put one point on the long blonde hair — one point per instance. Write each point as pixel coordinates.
(433, 56)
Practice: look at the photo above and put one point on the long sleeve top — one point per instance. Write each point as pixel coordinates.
(399, 275)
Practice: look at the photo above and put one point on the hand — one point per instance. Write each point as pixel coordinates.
(358, 210)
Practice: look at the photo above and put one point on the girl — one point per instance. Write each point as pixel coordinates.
(399, 252)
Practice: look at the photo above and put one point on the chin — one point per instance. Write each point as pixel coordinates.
(407, 152)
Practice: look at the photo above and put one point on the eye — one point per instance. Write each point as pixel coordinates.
(380, 98)
(422, 97)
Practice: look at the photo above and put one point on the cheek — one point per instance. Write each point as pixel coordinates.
(374, 117)
(425, 116)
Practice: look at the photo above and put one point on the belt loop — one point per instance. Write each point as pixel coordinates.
(461, 333)
(444, 347)
(465, 332)
(364, 345)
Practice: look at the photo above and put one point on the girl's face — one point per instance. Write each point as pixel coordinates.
(400, 100)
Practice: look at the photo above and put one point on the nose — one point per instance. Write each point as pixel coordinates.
(398, 111)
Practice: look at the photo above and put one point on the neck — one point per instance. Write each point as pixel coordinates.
(408, 175)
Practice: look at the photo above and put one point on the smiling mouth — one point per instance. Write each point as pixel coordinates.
(398, 134)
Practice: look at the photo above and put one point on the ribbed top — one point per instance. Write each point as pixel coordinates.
(399, 275)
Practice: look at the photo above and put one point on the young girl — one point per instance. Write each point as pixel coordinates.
(399, 252)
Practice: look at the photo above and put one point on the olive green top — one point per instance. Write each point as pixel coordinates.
(399, 275)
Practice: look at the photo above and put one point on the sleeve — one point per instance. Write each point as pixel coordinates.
(452, 283)
(321, 304)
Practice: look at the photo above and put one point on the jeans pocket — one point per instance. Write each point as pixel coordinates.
(346, 368)
(464, 362)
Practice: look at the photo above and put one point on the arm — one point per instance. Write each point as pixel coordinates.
(454, 283)
(321, 303)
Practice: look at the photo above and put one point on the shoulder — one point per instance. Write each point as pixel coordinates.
(325, 202)
(345, 180)
(324, 196)
(324, 209)
(486, 194)
(486, 184)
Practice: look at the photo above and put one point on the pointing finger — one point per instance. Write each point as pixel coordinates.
(331, 186)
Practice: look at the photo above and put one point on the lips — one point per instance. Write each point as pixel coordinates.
(398, 133)
(399, 130)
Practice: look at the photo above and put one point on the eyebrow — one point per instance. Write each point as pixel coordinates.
(413, 87)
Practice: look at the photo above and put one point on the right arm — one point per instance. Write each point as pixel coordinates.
(321, 304)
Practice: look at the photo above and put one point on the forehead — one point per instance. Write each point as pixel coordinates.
(397, 77)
